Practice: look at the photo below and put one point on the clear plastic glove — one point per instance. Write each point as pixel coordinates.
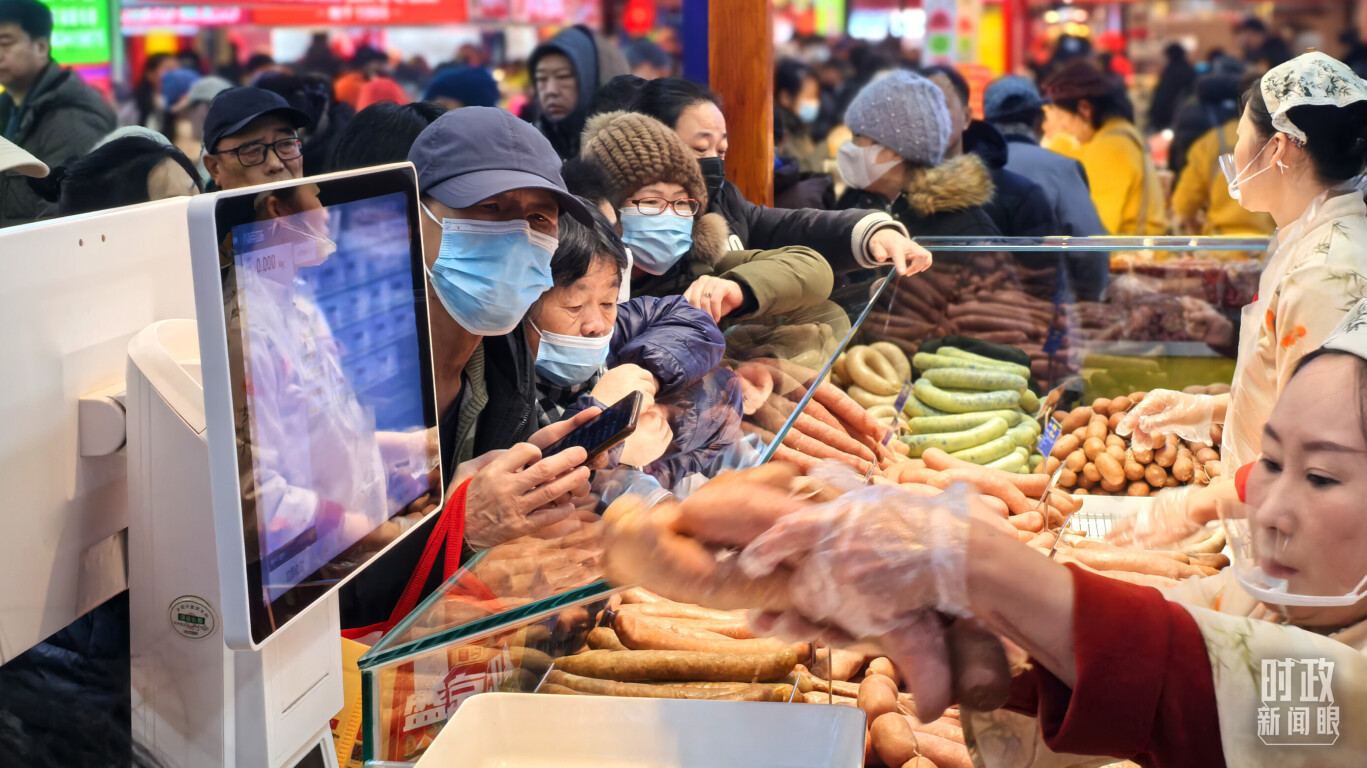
(1165, 412)
(869, 559)
(1171, 518)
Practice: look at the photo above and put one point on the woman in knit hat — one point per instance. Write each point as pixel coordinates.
(1094, 110)
(895, 162)
(658, 190)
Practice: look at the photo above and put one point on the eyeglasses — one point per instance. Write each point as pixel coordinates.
(255, 153)
(654, 206)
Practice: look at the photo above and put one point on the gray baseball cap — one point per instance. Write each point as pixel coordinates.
(473, 153)
(1011, 95)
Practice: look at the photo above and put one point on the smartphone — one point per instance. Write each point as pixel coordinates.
(605, 430)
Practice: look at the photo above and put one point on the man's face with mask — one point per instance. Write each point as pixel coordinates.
(557, 86)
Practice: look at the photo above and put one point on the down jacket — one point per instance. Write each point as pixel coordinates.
(60, 120)
(948, 200)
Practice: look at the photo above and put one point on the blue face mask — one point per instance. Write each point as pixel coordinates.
(657, 242)
(569, 360)
(489, 273)
(808, 111)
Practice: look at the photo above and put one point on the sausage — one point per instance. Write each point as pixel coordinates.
(668, 666)
(925, 361)
(958, 422)
(1065, 445)
(956, 402)
(943, 752)
(982, 678)
(1155, 475)
(1121, 405)
(1138, 397)
(1207, 455)
(987, 452)
(901, 366)
(647, 633)
(1048, 466)
(1117, 453)
(1142, 454)
(1115, 441)
(1079, 417)
(1112, 472)
(893, 740)
(969, 378)
(877, 696)
(1076, 460)
(1214, 469)
(1133, 469)
(1113, 423)
(1067, 478)
(1101, 406)
(884, 666)
(1138, 488)
(604, 639)
(1093, 448)
(597, 687)
(986, 432)
(1096, 428)
(1110, 487)
(871, 371)
(1167, 455)
(1184, 468)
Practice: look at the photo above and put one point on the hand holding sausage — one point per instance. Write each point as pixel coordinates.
(1165, 412)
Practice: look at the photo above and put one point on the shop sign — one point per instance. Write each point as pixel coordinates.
(170, 16)
(80, 31)
(941, 28)
(1298, 705)
(369, 12)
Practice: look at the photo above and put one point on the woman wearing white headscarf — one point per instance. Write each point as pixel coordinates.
(1301, 152)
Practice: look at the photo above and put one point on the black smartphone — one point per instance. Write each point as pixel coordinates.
(605, 430)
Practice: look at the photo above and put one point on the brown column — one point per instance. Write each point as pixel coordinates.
(741, 61)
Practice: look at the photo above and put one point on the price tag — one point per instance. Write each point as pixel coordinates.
(1053, 342)
(1047, 440)
(902, 396)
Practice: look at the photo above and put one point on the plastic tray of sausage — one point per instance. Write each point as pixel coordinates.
(1099, 513)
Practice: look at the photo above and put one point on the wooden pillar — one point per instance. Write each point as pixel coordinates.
(741, 64)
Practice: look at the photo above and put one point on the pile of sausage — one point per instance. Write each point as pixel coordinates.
(1199, 556)
(990, 297)
(831, 426)
(650, 647)
(1099, 462)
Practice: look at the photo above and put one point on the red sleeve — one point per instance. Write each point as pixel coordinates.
(1144, 690)
(1241, 480)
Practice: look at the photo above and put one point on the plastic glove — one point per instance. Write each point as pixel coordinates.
(1169, 519)
(868, 560)
(1165, 412)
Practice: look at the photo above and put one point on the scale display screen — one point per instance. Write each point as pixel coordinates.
(330, 364)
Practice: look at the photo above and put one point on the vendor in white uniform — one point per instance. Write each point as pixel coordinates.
(1301, 151)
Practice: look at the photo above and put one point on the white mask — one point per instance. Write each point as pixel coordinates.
(1235, 178)
(859, 166)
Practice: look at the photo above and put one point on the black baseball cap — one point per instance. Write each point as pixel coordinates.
(473, 153)
(233, 109)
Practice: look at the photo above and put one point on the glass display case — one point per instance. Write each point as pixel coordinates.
(1122, 313)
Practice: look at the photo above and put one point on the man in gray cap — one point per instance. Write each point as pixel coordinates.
(491, 201)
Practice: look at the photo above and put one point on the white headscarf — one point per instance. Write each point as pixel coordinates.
(1309, 79)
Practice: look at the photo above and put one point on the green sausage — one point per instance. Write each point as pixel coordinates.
(1012, 462)
(1035, 461)
(1030, 402)
(925, 361)
(915, 408)
(989, 451)
(959, 402)
(960, 354)
(991, 430)
(1023, 435)
(956, 422)
(971, 378)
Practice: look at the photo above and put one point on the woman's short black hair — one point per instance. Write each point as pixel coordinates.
(1335, 137)
(580, 247)
(586, 178)
(112, 176)
(1104, 107)
(382, 133)
(619, 93)
(667, 97)
(789, 76)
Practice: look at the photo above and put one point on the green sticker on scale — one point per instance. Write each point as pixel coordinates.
(192, 617)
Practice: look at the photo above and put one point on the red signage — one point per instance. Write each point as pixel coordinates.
(301, 13)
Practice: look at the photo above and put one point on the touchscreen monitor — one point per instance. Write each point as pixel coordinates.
(332, 388)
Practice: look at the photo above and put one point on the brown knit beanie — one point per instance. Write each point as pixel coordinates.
(637, 150)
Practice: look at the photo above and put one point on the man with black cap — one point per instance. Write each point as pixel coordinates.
(251, 136)
(491, 202)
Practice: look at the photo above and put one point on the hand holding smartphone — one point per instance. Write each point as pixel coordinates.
(605, 430)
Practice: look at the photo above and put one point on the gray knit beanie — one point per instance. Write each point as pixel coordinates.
(905, 113)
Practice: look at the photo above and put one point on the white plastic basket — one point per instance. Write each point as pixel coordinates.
(1100, 513)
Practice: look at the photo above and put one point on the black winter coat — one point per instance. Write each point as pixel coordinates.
(946, 201)
(1019, 206)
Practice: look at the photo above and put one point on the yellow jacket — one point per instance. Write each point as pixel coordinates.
(1123, 180)
(1202, 189)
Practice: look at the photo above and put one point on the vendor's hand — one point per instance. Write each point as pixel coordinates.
(716, 296)
(1174, 515)
(650, 440)
(514, 492)
(621, 381)
(888, 244)
(1165, 412)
